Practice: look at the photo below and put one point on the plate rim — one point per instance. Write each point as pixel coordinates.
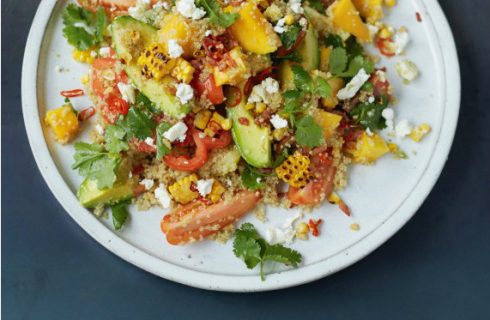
(233, 283)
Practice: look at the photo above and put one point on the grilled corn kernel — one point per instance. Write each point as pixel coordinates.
(302, 231)
(385, 32)
(419, 132)
(182, 70)
(289, 19)
(181, 190)
(154, 63)
(295, 170)
(278, 134)
(249, 106)
(217, 123)
(216, 192)
(64, 123)
(84, 56)
(260, 107)
(202, 118)
(333, 198)
(390, 3)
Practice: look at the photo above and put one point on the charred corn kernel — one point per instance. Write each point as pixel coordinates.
(390, 3)
(333, 198)
(181, 190)
(223, 122)
(182, 70)
(249, 106)
(84, 56)
(289, 19)
(64, 123)
(154, 63)
(260, 107)
(295, 170)
(202, 118)
(85, 79)
(216, 192)
(355, 227)
(302, 231)
(419, 132)
(278, 134)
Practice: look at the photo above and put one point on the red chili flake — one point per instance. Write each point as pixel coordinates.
(72, 93)
(193, 187)
(244, 121)
(137, 169)
(386, 46)
(86, 114)
(345, 209)
(418, 16)
(205, 201)
(139, 189)
(314, 226)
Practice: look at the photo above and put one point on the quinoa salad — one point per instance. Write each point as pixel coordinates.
(214, 109)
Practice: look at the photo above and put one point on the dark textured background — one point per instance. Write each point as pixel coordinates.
(436, 267)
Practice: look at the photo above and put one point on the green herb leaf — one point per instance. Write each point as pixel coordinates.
(119, 214)
(308, 133)
(254, 250)
(353, 48)
(317, 5)
(79, 37)
(163, 146)
(334, 40)
(280, 158)
(322, 88)
(369, 115)
(82, 28)
(94, 163)
(216, 14)
(302, 79)
(338, 61)
(100, 24)
(139, 124)
(292, 105)
(357, 64)
(290, 36)
(252, 179)
(115, 139)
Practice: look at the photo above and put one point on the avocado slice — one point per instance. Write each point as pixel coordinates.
(90, 195)
(122, 29)
(252, 141)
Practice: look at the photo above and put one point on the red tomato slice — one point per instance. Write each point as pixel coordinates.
(219, 141)
(113, 107)
(195, 221)
(99, 84)
(183, 163)
(208, 86)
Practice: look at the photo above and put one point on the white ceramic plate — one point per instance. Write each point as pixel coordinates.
(382, 197)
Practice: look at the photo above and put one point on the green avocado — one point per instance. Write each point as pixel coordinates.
(253, 141)
(90, 195)
(122, 31)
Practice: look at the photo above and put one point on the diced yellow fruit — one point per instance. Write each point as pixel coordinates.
(83, 56)
(295, 170)
(390, 3)
(223, 122)
(368, 149)
(372, 10)
(334, 198)
(216, 191)
(335, 84)
(328, 121)
(385, 32)
(232, 74)
(289, 19)
(85, 79)
(252, 31)
(249, 106)
(278, 134)
(176, 27)
(64, 123)
(419, 132)
(182, 70)
(202, 118)
(181, 189)
(260, 107)
(396, 151)
(347, 18)
(302, 231)
(325, 58)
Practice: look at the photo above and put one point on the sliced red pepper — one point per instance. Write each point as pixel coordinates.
(86, 114)
(72, 93)
(314, 226)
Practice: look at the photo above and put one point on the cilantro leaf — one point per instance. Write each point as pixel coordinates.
(369, 115)
(353, 48)
(308, 133)
(334, 41)
(290, 36)
(338, 61)
(74, 14)
(83, 29)
(119, 214)
(356, 64)
(94, 163)
(138, 123)
(79, 37)
(216, 14)
(292, 105)
(254, 250)
(100, 24)
(115, 139)
(163, 146)
(252, 179)
(302, 79)
(317, 5)
(322, 88)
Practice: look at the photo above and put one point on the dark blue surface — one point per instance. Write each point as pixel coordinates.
(436, 267)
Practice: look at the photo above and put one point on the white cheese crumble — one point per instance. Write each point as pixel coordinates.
(353, 86)
(280, 26)
(403, 129)
(100, 129)
(388, 114)
(174, 49)
(204, 186)
(369, 132)
(127, 92)
(150, 141)
(303, 22)
(188, 9)
(400, 41)
(176, 132)
(295, 5)
(164, 4)
(371, 99)
(373, 30)
(285, 234)
(104, 51)
(208, 33)
(138, 11)
(407, 70)
(278, 122)
(162, 196)
(147, 183)
(184, 93)
(264, 91)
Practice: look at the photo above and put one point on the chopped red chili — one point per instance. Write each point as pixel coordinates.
(86, 114)
(345, 209)
(244, 121)
(418, 16)
(72, 93)
(314, 226)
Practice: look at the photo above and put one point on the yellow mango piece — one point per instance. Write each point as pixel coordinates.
(347, 18)
(372, 10)
(232, 75)
(325, 58)
(368, 149)
(336, 84)
(175, 27)
(64, 123)
(328, 121)
(252, 31)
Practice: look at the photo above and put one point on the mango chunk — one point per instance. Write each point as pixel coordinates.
(372, 10)
(232, 74)
(335, 84)
(64, 123)
(346, 17)
(175, 27)
(328, 121)
(368, 149)
(252, 31)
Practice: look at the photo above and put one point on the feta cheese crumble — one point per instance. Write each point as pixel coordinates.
(295, 6)
(353, 86)
(162, 196)
(100, 129)
(150, 141)
(127, 92)
(204, 187)
(400, 40)
(208, 33)
(176, 132)
(403, 129)
(104, 52)
(407, 70)
(184, 93)
(285, 234)
(389, 115)
(174, 49)
(188, 9)
(147, 183)
(280, 26)
(278, 122)
(138, 11)
(264, 91)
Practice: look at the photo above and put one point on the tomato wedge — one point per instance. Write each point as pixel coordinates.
(221, 140)
(195, 221)
(208, 86)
